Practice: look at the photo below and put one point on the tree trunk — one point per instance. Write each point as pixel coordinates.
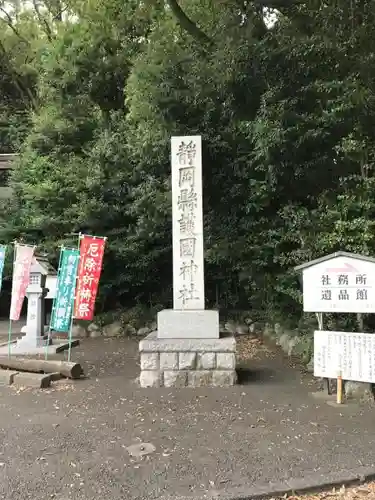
(69, 370)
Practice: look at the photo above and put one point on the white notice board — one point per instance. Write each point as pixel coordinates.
(341, 284)
(351, 353)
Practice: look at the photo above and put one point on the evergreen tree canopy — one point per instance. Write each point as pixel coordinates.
(286, 111)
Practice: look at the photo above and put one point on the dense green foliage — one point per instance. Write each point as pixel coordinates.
(287, 114)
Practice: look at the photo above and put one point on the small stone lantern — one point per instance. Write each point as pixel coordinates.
(36, 293)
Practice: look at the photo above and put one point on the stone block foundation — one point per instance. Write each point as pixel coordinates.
(187, 362)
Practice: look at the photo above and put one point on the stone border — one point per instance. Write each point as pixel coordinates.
(292, 344)
(115, 329)
(314, 483)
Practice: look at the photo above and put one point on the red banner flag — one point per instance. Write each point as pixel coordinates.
(90, 266)
(21, 278)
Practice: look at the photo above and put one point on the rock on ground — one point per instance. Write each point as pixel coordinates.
(113, 330)
(79, 331)
(357, 389)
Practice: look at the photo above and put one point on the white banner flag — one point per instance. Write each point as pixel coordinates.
(21, 278)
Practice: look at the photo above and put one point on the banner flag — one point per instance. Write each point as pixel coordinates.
(3, 250)
(89, 270)
(21, 276)
(63, 303)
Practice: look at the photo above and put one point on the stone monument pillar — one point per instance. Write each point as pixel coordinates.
(187, 350)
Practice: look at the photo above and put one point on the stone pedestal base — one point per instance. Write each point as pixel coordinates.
(187, 362)
(188, 324)
(32, 341)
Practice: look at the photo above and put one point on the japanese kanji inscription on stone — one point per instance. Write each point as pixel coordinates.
(188, 259)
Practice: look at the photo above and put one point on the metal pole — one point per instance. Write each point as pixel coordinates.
(10, 321)
(53, 303)
(74, 299)
(319, 317)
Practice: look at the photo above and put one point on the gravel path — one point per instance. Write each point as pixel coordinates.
(69, 443)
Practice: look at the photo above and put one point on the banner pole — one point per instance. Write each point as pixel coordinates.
(9, 337)
(92, 236)
(70, 335)
(53, 305)
(10, 321)
(2, 270)
(74, 299)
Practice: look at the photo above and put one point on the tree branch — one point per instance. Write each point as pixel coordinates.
(56, 9)
(59, 16)
(42, 21)
(12, 27)
(25, 92)
(187, 24)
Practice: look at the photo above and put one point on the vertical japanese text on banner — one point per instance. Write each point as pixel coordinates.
(63, 303)
(89, 270)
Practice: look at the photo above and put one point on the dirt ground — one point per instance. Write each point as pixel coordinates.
(71, 442)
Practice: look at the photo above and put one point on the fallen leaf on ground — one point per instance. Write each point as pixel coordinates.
(252, 348)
